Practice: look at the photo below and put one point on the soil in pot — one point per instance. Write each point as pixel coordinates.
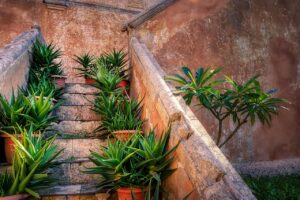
(15, 197)
(9, 147)
(125, 193)
(125, 134)
(90, 81)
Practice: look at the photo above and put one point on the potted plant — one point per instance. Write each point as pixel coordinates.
(120, 115)
(44, 64)
(134, 167)
(11, 115)
(117, 62)
(34, 156)
(23, 111)
(88, 67)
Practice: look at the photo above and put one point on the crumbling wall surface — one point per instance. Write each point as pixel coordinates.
(14, 62)
(75, 29)
(246, 38)
(201, 167)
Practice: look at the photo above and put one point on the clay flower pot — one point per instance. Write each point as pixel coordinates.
(125, 193)
(59, 81)
(125, 85)
(15, 197)
(9, 147)
(125, 134)
(89, 81)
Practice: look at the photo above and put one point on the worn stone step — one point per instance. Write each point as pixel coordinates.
(76, 113)
(99, 196)
(77, 148)
(78, 88)
(76, 127)
(78, 99)
(78, 189)
(69, 173)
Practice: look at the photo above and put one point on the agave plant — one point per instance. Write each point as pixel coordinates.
(241, 102)
(87, 64)
(34, 155)
(117, 113)
(39, 111)
(116, 61)
(139, 162)
(6, 181)
(44, 61)
(13, 112)
(45, 86)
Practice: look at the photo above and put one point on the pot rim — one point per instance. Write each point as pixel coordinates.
(3, 135)
(129, 189)
(19, 196)
(59, 76)
(127, 131)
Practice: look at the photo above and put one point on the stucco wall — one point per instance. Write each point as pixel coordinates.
(14, 62)
(201, 167)
(75, 29)
(245, 37)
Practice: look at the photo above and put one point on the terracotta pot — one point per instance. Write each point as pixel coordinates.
(125, 134)
(15, 197)
(89, 81)
(125, 85)
(9, 147)
(59, 81)
(125, 193)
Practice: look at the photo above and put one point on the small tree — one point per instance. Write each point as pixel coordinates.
(240, 102)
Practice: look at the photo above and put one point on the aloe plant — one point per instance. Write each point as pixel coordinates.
(142, 161)
(44, 61)
(39, 111)
(13, 112)
(45, 86)
(33, 157)
(87, 64)
(242, 102)
(117, 112)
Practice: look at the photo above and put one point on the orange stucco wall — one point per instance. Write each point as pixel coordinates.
(245, 38)
(75, 29)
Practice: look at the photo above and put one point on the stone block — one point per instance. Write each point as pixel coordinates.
(76, 88)
(76, 113)
(54, 198)
(77, 99)
(76, 127)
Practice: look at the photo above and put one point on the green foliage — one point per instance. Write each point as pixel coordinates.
(24, 111)
(45, 86)
(107, 80)
(142, 161)
(6, 181)
(117, 112)
(275, 188)
(241, 102)
(33, 157)
(87, 64)
(116, 61)
(12, 112)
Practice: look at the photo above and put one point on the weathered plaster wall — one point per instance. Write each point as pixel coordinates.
(75, 29)
(201, 166)
(14, 62)
(246, 37)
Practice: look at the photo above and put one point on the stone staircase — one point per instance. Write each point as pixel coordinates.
(76, 126)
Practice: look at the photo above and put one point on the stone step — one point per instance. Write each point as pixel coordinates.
(71, 172)
(78, 99)
(77, 148)
(99, 196)
(78, 88)
(78, 189)
(76, 127)
(76, 113)
(71, 190)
